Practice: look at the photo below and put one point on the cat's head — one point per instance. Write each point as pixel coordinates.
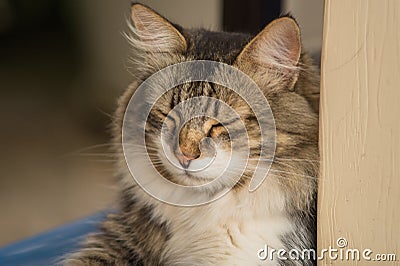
(196, 149)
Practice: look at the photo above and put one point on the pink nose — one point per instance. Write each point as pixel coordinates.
(185, 159)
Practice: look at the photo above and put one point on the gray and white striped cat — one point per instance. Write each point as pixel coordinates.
(231, 230)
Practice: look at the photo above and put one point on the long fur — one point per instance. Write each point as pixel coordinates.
(229, 231)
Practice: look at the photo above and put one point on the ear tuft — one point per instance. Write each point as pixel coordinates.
(155, 32)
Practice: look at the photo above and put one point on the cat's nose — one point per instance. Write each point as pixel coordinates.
(185, 159)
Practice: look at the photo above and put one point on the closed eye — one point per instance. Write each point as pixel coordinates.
(213, 128)
(216, 125)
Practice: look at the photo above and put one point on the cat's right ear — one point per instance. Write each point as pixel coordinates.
(273, 55)
(156, 33)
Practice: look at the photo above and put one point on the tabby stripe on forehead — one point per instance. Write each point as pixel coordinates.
(174, 128)
(154, 123)
(172, 103)
(214, 92)
(176, 97)
(254, 154)
(163, 115)
(251, 118)
(236, 132)
(172, 119)
(289, 132)
(231, 122)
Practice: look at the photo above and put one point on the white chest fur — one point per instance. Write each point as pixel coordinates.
(228, 231)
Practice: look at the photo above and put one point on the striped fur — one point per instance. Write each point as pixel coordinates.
(229, 231)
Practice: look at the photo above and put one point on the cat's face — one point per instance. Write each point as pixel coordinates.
(202, 140)
(192, 140)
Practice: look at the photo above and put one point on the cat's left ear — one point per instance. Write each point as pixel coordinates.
(155, 32)
(275, 50)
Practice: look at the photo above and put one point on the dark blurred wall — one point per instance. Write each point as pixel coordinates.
(62, 66)
(249, 16)
(69, 53)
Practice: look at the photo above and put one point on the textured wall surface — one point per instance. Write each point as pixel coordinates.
(360, 130)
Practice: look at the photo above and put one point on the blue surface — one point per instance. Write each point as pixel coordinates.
(48, 248)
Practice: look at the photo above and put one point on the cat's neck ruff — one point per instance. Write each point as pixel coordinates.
(236, 226)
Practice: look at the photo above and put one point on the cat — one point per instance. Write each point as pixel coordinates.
(232, 229)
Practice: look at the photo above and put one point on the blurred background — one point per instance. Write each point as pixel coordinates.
(63, 64)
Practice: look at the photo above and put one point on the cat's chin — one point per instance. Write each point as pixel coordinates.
(192, 179)
(199, 183)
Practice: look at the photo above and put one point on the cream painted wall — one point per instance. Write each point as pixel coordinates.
(359, 192)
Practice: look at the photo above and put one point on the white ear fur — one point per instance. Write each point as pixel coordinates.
(155, 32)
(278, 44)
(276, 49)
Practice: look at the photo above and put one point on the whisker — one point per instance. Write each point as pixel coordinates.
(97, 154)
(279, 178)
(296, 174)
(102, 160)
(273, 161)
(296, 159)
